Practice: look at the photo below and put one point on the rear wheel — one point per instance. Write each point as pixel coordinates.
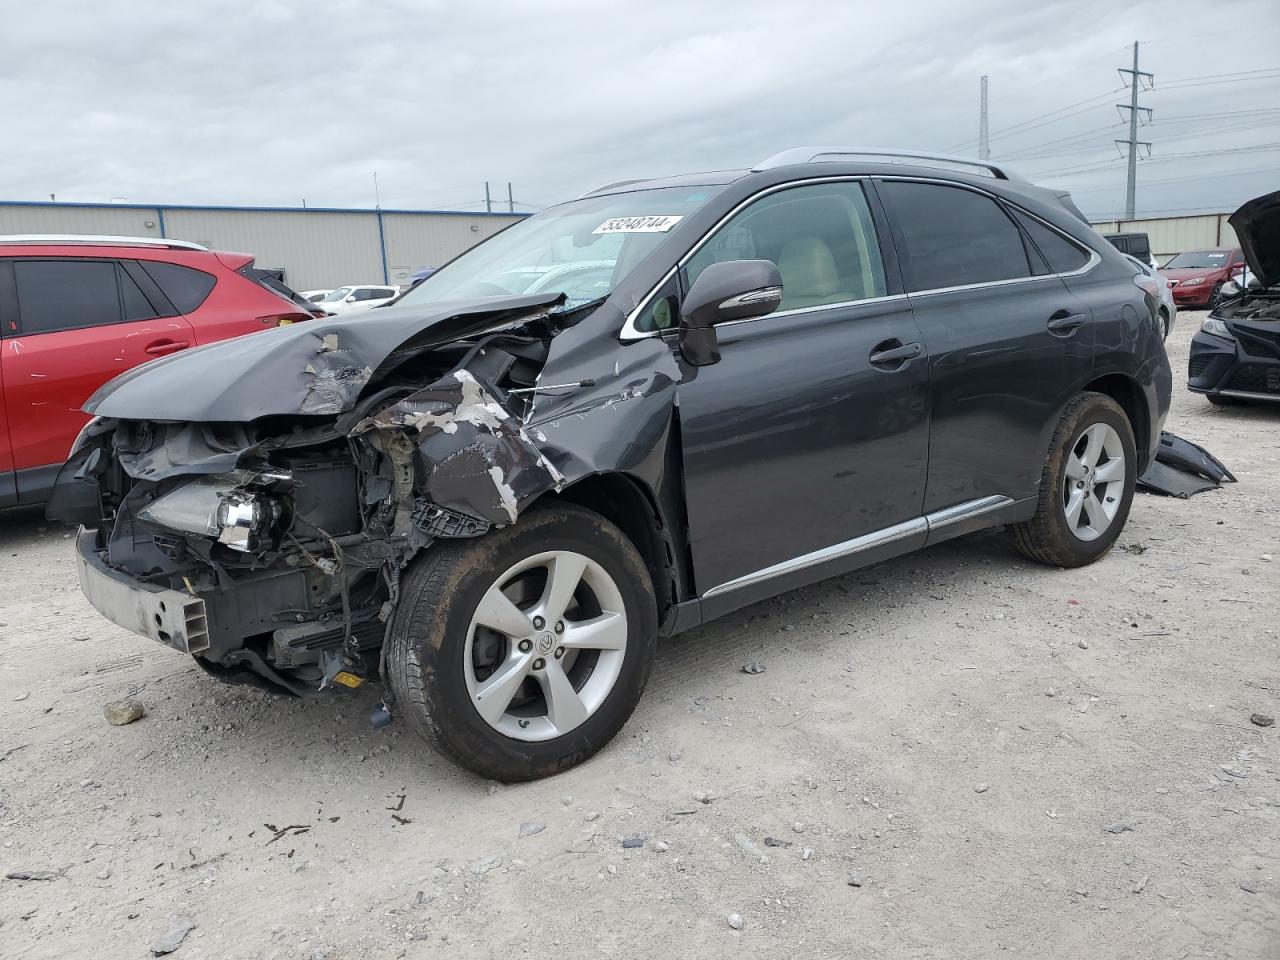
(1086, 488)
(523, 652)
(1164, 324)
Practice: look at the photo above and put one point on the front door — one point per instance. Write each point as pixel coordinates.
(808, 440)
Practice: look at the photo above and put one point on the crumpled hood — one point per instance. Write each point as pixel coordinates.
(318, 367)
(1257, 227)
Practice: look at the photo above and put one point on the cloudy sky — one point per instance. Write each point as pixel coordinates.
(273, 102)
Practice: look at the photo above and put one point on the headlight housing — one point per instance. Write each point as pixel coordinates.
(224, 507)
(1193, 282)
(1215, 326)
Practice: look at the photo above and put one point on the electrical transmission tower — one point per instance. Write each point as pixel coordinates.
(984, 145)
(1133, 143)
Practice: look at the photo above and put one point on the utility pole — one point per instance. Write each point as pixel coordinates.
(488, 203)
(1132, 144)
(984, 145)
(511, 204)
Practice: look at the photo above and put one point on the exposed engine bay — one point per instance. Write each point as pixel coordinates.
(291, 529)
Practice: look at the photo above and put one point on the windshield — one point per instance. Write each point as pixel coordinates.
(582, 249)
(1202, 259)
(333, 296)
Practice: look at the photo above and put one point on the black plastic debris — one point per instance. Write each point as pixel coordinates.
(1183, 469)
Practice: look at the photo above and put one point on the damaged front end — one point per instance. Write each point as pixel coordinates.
(268, 542)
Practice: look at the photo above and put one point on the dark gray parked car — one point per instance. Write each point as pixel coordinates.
(728, 385)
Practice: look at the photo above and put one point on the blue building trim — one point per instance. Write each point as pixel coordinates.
(240, 209)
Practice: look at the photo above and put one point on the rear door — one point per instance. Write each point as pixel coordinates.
(805, 446)
(1008, 342)
(71, 325)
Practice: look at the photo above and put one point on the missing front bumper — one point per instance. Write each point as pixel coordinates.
(175, 619)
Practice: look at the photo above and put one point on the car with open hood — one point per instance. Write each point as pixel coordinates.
(616, 420)
(1235, 356)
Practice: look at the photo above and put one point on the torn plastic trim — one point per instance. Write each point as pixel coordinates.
(470, 454)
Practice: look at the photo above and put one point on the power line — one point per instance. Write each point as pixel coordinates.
(1198, 177)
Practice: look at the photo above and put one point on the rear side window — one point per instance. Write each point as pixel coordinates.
(1061, 254)
(953, 237)
(185, 287)
(66, 294)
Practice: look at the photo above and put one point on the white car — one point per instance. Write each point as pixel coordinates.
(356, 297)
(314, 296)
(1168, 309)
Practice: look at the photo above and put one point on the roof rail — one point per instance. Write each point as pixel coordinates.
(828, 154)
(36, 239)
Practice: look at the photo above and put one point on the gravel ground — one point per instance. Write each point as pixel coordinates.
(949, 755)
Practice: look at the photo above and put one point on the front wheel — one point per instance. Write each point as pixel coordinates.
(1086, 488)
(523, 652)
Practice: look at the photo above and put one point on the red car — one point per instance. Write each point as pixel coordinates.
(76, 311)
(1198, 276)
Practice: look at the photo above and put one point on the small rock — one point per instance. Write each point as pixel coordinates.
(1261, 720)
(1141, 884)
(1082, 643)
(635, 842)
(592, 817)
(855, 880)
(703, 796)
(530, 827)
(980, 788)
(1248, 887)
(661, 846)
(104, 873)
(735, 921)
(172, 939)
(753, 666)
(612, 868)
(1117, 827)
(775, 842)
(81, 638)
(806, 853)
(674, 755)
(120, 712)
(798, 827)
(1266, 557)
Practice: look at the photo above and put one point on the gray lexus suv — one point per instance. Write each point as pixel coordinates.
(616, 420)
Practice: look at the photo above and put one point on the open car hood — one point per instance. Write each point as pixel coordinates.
(1257, 227)
(316, 368)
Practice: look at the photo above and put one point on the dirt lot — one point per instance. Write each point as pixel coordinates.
(953, 731)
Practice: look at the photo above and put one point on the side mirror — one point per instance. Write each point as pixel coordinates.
(1230, 289)
(350, 299)
(723, 292)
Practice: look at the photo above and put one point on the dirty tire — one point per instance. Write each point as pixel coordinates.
(438, 597)
(1047, 537)
(1164, 324)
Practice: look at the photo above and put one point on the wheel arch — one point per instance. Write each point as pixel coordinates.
(1126, 392)
(629, 504)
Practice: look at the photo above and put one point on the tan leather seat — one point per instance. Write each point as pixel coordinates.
(809, 275)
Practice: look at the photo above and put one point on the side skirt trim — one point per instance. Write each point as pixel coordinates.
(877, 538)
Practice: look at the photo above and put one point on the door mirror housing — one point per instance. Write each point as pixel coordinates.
(724, 292)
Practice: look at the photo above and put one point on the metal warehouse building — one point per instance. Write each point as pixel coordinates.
(317, 247)
(1170, 235)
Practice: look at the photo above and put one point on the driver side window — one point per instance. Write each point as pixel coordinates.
(821, 236)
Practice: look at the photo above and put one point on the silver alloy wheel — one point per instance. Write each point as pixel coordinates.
(559, 653)
(1094, 484)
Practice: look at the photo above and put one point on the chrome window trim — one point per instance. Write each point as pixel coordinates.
(936, 520)
(630, 334)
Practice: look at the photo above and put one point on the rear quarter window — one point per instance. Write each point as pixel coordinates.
(1061, 254)
(185, 287)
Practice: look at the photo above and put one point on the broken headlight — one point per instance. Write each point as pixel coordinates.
(225, 507)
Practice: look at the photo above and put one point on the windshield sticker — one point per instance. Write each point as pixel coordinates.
(654, 224)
